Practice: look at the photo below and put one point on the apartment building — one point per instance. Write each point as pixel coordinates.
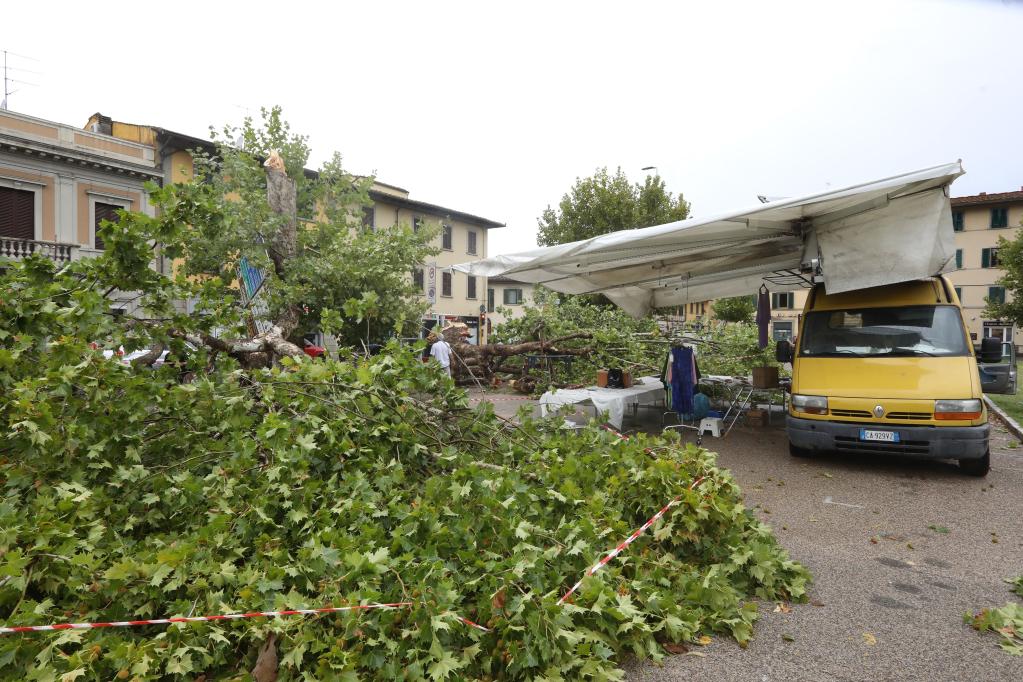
(979, 221)
(58, 183)
(452, 296)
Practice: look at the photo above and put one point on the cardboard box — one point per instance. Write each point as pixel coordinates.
(765, 377)
(756, 417)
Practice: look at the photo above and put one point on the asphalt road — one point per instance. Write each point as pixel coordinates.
(899, 550)
(891, 585)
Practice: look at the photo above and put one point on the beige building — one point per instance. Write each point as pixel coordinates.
(507, 298)
(59, 182)
(978, 222)
(453, 296)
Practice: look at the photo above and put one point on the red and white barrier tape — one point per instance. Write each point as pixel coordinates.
(200, 619)
(628, 541)
(466, 621)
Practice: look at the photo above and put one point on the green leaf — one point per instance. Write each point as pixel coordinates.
(442, 668)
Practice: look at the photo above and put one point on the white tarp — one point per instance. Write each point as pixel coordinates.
(870, 234)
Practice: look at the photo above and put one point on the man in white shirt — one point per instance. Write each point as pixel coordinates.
(441, 352)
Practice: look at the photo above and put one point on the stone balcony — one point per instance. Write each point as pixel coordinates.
(16, 249)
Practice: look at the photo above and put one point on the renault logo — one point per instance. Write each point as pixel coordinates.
(878, 411)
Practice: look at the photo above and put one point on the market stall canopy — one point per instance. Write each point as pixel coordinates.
(870, 234)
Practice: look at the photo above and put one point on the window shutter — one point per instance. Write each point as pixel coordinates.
(103, 212)
(17, 213)
(985, 258)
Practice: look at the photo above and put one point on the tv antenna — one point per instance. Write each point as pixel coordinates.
(8, 80)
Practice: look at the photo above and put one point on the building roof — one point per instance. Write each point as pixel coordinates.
(174, 140)
(985, 198)
(434, 209)
(504, 279)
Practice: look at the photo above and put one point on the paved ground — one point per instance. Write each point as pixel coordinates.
(891, 586)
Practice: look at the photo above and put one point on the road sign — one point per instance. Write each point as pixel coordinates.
(431, 283)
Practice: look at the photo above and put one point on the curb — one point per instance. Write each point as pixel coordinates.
(1011, 424)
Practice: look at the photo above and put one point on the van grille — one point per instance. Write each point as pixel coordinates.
(909, 447)
(908, 415)
(859, 414)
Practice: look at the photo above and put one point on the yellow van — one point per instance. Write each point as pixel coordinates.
(888, 370)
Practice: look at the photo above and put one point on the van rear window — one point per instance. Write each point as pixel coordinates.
(869, 332)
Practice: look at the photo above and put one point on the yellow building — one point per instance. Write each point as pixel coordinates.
(979, 221)
(453, 296)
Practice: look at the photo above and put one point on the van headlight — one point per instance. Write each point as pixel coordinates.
(809, 404)
(957, 409)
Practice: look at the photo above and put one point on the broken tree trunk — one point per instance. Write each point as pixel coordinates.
(471, 363)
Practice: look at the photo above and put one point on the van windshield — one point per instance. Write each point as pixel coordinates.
(922, 330)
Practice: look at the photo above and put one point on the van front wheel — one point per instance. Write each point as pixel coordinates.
(798, 452)
(976, 467)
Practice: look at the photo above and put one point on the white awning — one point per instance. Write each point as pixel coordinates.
(870, 234)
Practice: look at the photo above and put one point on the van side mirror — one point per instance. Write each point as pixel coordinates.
(990, 350)
(785, 351)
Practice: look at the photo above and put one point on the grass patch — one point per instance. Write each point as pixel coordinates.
(1012, 404)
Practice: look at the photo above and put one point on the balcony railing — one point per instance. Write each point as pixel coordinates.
(16, 249)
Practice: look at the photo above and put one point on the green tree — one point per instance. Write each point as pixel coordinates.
(1010, 259)
(314, 265)
(736, 309)
(606, 203)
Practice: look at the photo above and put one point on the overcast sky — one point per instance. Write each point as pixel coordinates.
(496, 108)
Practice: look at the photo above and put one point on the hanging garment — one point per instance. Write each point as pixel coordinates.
(763, 315)
(683, 380)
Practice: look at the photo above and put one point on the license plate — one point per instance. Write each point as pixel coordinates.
(885, 436)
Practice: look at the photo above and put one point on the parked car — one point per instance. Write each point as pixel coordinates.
(889, 370)
(1000, 376)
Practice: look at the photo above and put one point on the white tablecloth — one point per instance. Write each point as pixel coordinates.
(645, 391)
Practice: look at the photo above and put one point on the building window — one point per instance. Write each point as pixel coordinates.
(782, 330)
(512, 296)
(471, 248)
(368, 217)
(17, 213)
(103, 212)
(997, 331)
(989, 258)
(490, 300)
(996, 294)
(470, 287)
(999, 217)
(416, 224)
(446, 238)
(957, 221)
(783, 301)
(445, 284)
(959, 294)
(959, 259)
(417, 279)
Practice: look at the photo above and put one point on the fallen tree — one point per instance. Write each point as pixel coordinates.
(129, 494)
(472, 363)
